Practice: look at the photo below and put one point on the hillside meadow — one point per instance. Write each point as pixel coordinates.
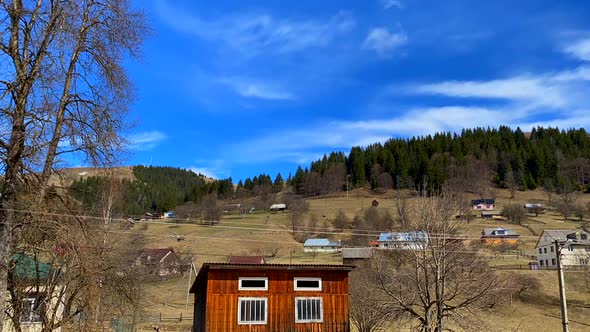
(269, 234)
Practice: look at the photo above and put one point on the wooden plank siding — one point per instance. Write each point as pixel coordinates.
(223, 294)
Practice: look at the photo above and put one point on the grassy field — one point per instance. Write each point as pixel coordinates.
(268, 234)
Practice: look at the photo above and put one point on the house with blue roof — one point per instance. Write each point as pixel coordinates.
(322, 245)
(415, 240)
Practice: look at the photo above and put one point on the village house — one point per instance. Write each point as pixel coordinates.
(278, 207)
(483, 204)
(322, 245)
(246, 260)
(37, 304)
(534, 208)
(492, 214)
(162, 262)
(356, 256)
(271, 297)
(575, 246)
(499, 235)
(415, 240)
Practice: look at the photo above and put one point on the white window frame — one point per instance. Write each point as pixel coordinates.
(245, 299)
(33, 315)
(318, 279)
(265, 288)
(320, 320)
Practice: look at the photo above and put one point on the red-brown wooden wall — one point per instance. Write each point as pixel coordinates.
(222, 301)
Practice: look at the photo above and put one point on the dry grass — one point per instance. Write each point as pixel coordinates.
(265, 233)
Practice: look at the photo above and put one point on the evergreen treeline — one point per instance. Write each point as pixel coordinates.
(503, 157)
(155, 189)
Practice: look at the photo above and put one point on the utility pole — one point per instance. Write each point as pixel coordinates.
(562, 299)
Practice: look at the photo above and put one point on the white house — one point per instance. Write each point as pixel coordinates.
(321, 245)
(278, 207)
(575, 246)
(415, 240)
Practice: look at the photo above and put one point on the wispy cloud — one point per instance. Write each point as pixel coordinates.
(256, 89)
(579, 49)
(148, 140)
(384, 42)
(542, 90)
(387, 4)
(252, 34)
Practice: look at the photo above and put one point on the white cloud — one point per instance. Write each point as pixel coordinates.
(254, 34)
(579, 49)
(384, 42)
(204, 171)
(546, 90)
(146, 140)
(387, 4)
(256, 89)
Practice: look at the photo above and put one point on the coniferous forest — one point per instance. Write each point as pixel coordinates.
(470, 161)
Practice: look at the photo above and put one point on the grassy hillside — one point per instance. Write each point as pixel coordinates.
(269, 234)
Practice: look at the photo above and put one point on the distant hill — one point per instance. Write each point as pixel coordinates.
(139, 189)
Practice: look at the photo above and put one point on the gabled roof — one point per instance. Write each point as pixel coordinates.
(156, 254)
(533, 205)
(204, 271)
(246, 260)
(493, 232)
(403, 236)
(483, 201)
(561, 235)
(321, 243)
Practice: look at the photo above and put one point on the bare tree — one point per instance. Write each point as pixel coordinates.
(441, 286)
(63, 91)
(341, 221)
(403, 211)
(212, 210)
(514, 213)
(367, 312)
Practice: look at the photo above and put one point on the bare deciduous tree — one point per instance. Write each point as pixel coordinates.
(442, 286)
(63, 91)
(367, 312)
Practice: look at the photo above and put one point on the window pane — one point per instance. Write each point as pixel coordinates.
(262, 310)
(242, 311)
(308, 284)
(258, 283)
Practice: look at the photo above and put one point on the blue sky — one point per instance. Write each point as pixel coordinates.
(236, 88)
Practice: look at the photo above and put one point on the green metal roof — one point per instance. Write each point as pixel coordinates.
(26, 267)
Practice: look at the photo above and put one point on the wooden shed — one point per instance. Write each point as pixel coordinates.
(271, 297)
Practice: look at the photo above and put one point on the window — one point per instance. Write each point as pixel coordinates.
(308, 284)
(540, 250)
(547, 262)
(544, 250)
(570, 248)
(584, 236)
(308, 310)
(31, 311)
(583, 261)
(552, 261)
(252, 310)
(552, 249)
(541, 261)
(253, 283)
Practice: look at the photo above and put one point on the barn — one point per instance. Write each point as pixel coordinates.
(271, 297)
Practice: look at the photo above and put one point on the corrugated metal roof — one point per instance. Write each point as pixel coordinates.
(403, 236)
(357, 253)
(316, 242)
(246, 260)
(494, 232)
(483, 201)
